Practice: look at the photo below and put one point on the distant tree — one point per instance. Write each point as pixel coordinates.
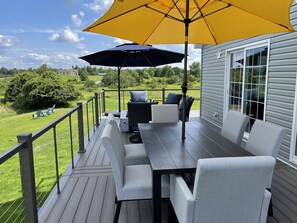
(110, 79)
(90, 86)
(42, 68)
(83, 75)
(195, 70)
(14, 88)
(173, 80)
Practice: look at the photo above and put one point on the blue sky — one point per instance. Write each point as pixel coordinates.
(36, 32)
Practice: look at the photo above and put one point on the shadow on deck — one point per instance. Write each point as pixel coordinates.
(88, 192)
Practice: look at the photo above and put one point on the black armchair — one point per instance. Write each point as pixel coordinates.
(139, 112)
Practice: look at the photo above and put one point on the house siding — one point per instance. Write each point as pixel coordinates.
(281, 80)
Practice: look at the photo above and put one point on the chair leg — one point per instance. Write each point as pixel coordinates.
(171, 214)
(118, 209)
(270, 208)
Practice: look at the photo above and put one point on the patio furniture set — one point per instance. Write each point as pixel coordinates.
(231, 183)
(140, 109)
(41, 113)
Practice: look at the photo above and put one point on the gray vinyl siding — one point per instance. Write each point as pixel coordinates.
(281, 81)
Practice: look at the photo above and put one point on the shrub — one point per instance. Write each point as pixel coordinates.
(32, 90)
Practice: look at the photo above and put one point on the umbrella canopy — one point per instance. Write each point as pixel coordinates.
(192, 21)
(132, 55)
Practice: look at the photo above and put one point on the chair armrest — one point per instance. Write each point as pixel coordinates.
(181, 198)
(265, 205)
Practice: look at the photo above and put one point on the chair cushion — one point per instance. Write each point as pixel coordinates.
(173, 98)
(135, 154)
(188, 103)
(138, 183)
(138, 96)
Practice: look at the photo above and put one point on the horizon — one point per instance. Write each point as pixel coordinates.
(37, 32)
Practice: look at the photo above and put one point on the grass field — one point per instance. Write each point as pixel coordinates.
(12, 124)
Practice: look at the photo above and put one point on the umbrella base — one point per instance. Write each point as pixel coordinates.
(135, 138)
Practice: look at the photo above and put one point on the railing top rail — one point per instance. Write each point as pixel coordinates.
(43, 130)
(11, 152)
(160, 89)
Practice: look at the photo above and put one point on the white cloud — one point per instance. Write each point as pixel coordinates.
(80, 46)
(77, 19)
(66, 35)
(119, 41)
(7, 41)
(36, 57)
(99, 6)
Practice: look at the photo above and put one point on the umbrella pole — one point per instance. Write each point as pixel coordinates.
(119, 88)
(185, 79)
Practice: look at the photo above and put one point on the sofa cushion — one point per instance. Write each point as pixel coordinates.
(173, 98)
(138, 96)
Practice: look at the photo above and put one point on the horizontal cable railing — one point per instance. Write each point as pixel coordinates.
(153, 95)
(42, 158)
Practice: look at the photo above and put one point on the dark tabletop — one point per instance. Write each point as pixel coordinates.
(168, 153)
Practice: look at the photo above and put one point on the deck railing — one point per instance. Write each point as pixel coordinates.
(153, 94)
(43, 156)
(24, 207)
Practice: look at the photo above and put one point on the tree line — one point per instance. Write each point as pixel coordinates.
(152, 76)
(43, 87)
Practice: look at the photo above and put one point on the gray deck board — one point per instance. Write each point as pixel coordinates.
(88, 192)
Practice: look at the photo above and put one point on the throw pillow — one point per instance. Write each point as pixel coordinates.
(138, 96)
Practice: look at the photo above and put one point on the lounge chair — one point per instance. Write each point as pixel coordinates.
(38, 114)
(49, 111)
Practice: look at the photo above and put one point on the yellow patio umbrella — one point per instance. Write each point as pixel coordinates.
(192, 21)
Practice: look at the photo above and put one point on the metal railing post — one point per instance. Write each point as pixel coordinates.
(163, 95)
(103, 102)
(80, 121)
(96, 110)
(28, 177)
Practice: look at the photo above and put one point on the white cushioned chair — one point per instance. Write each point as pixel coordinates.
(225, 190)
(133, 153)
(265, 140)
(234, 126)
(133, 182)
(165, 113)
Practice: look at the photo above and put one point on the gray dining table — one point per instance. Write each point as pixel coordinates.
(169, 154)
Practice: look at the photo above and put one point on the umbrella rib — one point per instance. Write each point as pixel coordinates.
(235, 6)
(165, 14)
(175, 4)
(200, 9)
(203, 16)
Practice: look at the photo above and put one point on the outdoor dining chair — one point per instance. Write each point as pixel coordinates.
(265, 140)
(132, 182)
(225, 190)
(234, 126)
(133, 153)
(165, 113)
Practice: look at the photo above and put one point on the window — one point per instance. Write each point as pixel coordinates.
(247, 81)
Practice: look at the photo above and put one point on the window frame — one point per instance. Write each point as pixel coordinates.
(243, 48)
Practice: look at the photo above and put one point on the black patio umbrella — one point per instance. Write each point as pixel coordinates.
(132, 55)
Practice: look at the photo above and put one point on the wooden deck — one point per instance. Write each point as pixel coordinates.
(88, 192)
